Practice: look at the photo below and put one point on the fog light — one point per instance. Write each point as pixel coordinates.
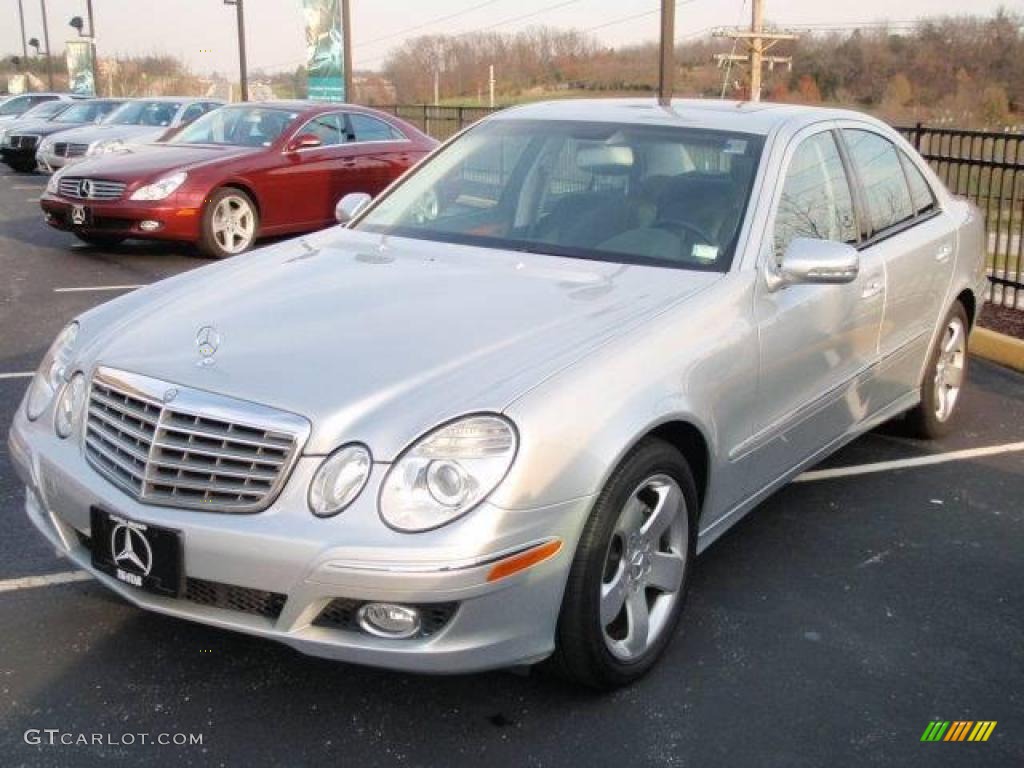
(149, 225)
(389, 620)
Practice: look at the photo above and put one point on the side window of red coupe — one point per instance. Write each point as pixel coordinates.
(329, 129)
(366, 128)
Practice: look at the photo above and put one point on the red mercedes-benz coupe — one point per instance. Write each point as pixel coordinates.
(236, 174)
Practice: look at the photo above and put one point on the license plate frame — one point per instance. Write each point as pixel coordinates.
(144, 556)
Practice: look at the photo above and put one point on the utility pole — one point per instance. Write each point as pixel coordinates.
(666, 62)
(92, 43)
(242, 73)
(490, 85)
(758, 43)
(46, 41)
(346, 53)
(24, 45)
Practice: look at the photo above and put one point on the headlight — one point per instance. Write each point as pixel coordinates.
(106, 146)
(160, 189)
(51, 371)
(447, 473)
(70, 405)
(45, 146)
(339, 480)
(53, 184)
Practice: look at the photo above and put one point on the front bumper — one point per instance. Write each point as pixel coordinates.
(124, 218)
(17, 157)
(311, 562)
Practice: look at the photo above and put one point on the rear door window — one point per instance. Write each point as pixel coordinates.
(920, 191)
(366, 128)
(881, 172)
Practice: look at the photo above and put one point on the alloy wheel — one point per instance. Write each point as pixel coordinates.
(644, 567)
(233, 223)
(949, 368)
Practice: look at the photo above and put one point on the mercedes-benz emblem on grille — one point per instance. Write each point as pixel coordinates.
(85, 188)
(131, 550)
(207, 343)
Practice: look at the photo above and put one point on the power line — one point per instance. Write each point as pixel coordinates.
(532, 14)
(429, 23)
(624, 19)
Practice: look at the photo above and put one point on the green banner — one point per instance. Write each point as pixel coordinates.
(81, 56)
(325, 60)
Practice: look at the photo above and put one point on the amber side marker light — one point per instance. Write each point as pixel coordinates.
(524, 560)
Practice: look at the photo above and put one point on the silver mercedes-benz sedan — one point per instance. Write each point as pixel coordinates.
(494, 418)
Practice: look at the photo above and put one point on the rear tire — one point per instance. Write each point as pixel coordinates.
(229, 225)
(944, 379)
(629, 575)
(100, 241)
(20, 166)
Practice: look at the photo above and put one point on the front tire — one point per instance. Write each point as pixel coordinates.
(629, 575)
(229, 225)
(944, 379)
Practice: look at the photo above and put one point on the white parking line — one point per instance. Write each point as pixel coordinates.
(918, 461)
(27, 187)
(51, 579)
(25, 375)
(87, 288)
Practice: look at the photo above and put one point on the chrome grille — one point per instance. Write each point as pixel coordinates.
(180, 454)
(26, 142)
(66, 149)
(91, 189)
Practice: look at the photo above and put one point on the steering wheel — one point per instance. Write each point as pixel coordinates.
(678, 226)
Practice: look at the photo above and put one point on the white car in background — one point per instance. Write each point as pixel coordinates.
(137, 122)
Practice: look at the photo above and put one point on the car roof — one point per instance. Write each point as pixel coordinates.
(308, 107)
(741, 116)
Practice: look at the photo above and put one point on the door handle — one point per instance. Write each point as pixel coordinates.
(944, 252)
(872, 289)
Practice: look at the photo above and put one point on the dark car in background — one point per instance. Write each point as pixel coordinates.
(234, 175)
(24, 138)
(13, 107)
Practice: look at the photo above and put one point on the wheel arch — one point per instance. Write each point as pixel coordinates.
(686, 437)
(970, 304)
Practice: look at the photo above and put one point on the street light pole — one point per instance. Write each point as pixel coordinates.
(346, 37)
(666, 63)
(46, 41)
(243, 74)
(24, 45)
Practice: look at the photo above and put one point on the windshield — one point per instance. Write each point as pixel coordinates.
(155, 113)
(617, 192)
(45, 110)
(13, 105)
(239, 126)
(86, 112)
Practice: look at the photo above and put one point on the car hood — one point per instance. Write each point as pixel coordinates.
(27, 126)
(159, 159)
(379, 339)
(87, 134)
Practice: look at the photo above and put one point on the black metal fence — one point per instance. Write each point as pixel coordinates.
(987, 168)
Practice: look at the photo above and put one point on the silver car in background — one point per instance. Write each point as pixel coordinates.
(137, 122)
(494, 419)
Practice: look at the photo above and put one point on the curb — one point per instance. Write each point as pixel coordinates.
(997, 347)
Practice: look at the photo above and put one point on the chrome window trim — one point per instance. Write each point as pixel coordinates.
(198, 402)
(284, 150)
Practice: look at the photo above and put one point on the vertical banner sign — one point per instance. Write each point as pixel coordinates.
(324, 50)
(80, 55)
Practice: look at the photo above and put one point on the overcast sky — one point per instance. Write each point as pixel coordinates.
(202, 32)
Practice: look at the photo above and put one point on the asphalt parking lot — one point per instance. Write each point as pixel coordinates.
(829, 628)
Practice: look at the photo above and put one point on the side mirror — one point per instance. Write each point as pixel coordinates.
(304, 141)
(350, 205)
(811, 261)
